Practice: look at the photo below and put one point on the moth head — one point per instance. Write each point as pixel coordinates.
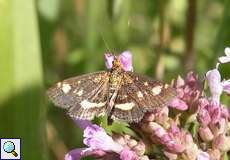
(117, 63)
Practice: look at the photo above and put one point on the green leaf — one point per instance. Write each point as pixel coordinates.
(117, 127)
(22, 108)
(194, 129)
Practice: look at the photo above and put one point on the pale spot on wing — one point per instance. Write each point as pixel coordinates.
(146, 83)
(166, 86)
(139, 94)
(79, 93)
(156, 90)
(78, 82)
(87, 105)
(125, 106)
(66, 87)
(59, 84)
(123, 96)
(97, 79)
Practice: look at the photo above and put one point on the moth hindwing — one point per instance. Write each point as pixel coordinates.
(123, 96)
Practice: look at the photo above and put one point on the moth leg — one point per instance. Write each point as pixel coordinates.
(111, 101)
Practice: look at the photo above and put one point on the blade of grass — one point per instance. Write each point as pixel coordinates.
(22, 111)
(122, 11)
(96, 19)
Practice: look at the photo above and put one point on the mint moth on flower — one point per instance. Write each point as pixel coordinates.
(118, 92)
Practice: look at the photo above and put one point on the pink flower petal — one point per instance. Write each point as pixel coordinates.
(227, 51)
(224, 59)
(203, 102)
(109, 58)
(178, 104)
(224, 112)
(83, 123)
(171, 156)
(175, 147)
(90, 152)
(96, 138)
(92, 130)
(74, 154)
(218, 141)
(214, 82)
(126, 60)
(204, 117)
(219, 127)
(179, 82)
(226, 86)
(206, 134)
(159, 131)
(127, 154)
(191, 79)
(203, 156)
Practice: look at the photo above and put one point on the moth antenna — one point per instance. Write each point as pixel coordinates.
(106, 44)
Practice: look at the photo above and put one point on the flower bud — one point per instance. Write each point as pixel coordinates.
(214, 154)
(139, 148)
(170, 156)
(205, 134)
(222, 143)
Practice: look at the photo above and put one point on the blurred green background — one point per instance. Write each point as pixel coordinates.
(44, 41)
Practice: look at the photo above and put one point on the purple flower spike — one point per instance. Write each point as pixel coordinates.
(214, 82)
(96, 138)
(109, 58)
(126, 60)
(226, 58)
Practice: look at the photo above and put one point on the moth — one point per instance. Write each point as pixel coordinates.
(119, 94)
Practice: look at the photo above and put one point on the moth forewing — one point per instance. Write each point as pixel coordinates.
(72, 92)
(150, 93)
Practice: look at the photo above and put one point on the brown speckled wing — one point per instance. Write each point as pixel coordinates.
(139, 94)
(83, 96)
(150, 93)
